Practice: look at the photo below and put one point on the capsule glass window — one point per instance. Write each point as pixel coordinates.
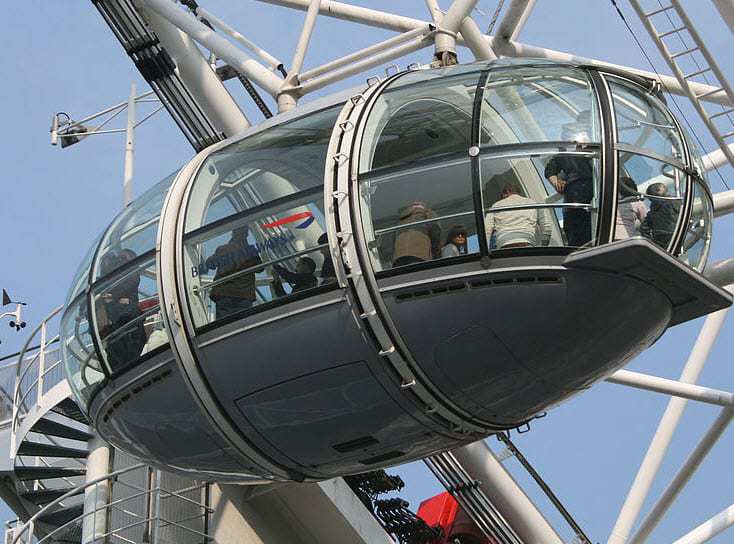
(539, 164)
(697, 240)
(255, 228)
(416, 193)
(644, 122)
(650, 199)
(82, 366)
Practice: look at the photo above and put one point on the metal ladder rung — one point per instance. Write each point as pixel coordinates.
(709, 93)
(671, 32)
(725, 112)
(686, 52)
(696, 73)
(661, 10)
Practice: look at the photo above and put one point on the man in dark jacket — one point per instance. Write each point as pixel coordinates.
(231, 259)
(660, 221)
(573, 176)
(303, 278)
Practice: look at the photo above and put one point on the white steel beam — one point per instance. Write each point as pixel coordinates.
(366, 52)
(476, 41)
(216, 22)
(219, 45)
(672, 387)
(664, 434)
(505, 494)
(409, 47)
(435, 10)
(127, 179)
(723, 203)
(683, 476)
(726, 9)
(721, 273)
(208, 90)
(308, 25)
(451, 23)
(709, 529)
(380, 19)
(715, 159)
(513, 21)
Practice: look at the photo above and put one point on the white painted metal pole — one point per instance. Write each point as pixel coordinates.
(196, 72)
(505, 494)
(96, 497)
(672, 387)
(435, 10)
(715, 159)
(337, 75)
(308, 25)
(723, 203)
(216, 22)
(451, 23)
(721, 272)
(366, 52)
(668, 423)
(726, 9)
(127, 181)
(219, 45)
(683, 476)
(513, 22)
(709, 529)
(476, 41)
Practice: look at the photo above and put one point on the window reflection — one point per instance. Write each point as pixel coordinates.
(698, 232)
(650, 199)
(127, 311)
(83, 370)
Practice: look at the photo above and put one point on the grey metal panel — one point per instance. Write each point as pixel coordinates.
(691, 293)
(509, 344)
(278, 359)
(154, 418)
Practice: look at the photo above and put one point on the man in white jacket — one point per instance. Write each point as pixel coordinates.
(524, 227)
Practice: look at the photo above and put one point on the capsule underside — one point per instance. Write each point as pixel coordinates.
(357, 284)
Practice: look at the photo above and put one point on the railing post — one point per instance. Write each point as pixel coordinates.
(41, 364)
(96, 497)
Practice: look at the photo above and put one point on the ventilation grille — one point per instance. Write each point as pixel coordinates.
(476, 284)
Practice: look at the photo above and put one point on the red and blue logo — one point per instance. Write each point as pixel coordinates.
(306, 216)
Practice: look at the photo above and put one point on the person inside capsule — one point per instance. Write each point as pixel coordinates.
(660, 221)
(513, 228)
(328, 274)
(233, 288)
(631, 212)
(573, 177)
(303, 278)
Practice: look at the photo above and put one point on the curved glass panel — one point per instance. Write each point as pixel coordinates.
(695, 152)
(523, 209)
(81, 278)
(650, 199)
(420, 117)
(133, 231)
(255, 229)
(83, 370)
(644, 122)
(538, 104)
(697, 239)
(127, 314)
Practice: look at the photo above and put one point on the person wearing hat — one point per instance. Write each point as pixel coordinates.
(573, 176)
(418, 243)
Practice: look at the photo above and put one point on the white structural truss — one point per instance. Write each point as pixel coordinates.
(446, 26)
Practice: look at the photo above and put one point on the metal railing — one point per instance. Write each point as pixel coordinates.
(95, 522)
(37, 374)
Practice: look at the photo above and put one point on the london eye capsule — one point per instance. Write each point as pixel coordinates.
(377, 277)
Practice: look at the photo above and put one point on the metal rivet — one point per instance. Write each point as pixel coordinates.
(473, 151)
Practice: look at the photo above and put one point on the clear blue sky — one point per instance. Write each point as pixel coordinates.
(59, 56)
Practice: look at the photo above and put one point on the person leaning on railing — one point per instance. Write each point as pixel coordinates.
(524, 227)
(419, 243)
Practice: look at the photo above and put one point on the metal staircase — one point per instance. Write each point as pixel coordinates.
(685, 52)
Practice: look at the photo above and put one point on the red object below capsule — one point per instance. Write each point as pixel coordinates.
(443, 511)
